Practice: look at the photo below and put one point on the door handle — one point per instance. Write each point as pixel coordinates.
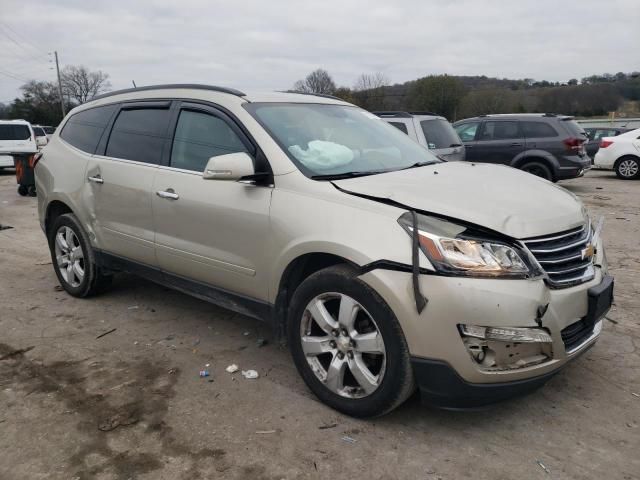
(516, 144)
(168, 194)
(96, 179)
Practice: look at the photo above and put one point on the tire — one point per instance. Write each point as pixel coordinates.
(31, 190)
(538, 169)
(627, 168)
(84, 278)
(23, 190)
(372, 321)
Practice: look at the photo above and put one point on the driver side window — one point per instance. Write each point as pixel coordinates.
(467, 131)
(200, 136)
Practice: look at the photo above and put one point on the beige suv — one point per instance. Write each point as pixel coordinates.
(385, 268)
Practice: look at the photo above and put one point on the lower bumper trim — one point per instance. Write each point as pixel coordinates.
(441, 386)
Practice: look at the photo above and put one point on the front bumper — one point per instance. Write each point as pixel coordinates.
(433, 336)
(440, 386)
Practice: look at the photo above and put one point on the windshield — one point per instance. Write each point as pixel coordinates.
(39, 132)
(328, 140)
(439, 134)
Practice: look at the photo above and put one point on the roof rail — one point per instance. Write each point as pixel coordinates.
(425, 113)
(396, 114)
(323, 95)
(193, 86)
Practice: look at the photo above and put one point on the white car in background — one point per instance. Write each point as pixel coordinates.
(621, 154)
(16, 136)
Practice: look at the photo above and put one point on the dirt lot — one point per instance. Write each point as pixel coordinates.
(131, 404)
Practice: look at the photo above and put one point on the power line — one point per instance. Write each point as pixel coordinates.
(10, 75)
(24, 39)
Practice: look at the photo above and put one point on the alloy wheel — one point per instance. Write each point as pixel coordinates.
(343, 345)
(69, 256)
(628, 168)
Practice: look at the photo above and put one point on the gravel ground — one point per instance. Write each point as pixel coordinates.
(131, 404)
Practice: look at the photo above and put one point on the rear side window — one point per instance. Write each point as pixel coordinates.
(14, 132)
(200, 136)
(439, 134)
(139, 134)
(574, 129)
(500, 131)
(538, 130)
(84, 129)
(39, 132)
(400, 126)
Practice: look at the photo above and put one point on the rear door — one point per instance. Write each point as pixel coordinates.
(120, 180)
(539, 135)
(210, 231)
(499, 141)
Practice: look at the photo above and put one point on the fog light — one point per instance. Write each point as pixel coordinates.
(507, 334)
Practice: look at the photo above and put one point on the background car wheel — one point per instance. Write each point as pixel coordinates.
(73, 258)
(31, 190)
(628, 168)
(347, 344)
(23, 190)
(538, 169)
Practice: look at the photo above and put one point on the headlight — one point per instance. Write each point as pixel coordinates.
(452, 249)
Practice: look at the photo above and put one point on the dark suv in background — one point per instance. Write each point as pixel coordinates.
(547, 145)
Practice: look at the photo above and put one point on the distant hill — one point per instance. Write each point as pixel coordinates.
(463, 96)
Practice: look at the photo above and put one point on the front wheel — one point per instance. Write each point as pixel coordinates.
(628, 168)
(347, 344)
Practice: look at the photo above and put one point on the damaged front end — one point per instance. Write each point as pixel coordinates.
(500, 348)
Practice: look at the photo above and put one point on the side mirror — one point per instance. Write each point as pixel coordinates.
(232, 166)
(41, 141)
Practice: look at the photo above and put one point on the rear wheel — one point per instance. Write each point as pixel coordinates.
(23, 190)
(347, 344)
(628, 168)
(73, 258)
(538, 169)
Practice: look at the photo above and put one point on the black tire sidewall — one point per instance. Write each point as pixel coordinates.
(70, 220)
(398, 368)
(547, 170)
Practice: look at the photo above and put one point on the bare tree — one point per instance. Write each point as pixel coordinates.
(318, 81)
(371, 81)
(369, 90)
(81, 84)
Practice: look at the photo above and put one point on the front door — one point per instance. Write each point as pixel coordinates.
(211, 231)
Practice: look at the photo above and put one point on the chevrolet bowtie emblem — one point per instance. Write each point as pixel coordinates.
(588, 252)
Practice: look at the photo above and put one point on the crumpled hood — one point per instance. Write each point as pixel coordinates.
(497, 197)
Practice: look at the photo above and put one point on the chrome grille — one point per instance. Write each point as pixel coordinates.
(561, 256)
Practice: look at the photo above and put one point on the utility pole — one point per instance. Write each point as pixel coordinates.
(60, 86)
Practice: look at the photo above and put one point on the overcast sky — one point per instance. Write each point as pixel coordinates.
(269, 44)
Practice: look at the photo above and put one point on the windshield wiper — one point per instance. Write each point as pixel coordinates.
(340, 176)
(419, 164)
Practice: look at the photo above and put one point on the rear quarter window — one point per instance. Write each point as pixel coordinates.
(400, 126)
(439, 134)
(574, 129)
(84, 129)
(538, 130)
(14, 132)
